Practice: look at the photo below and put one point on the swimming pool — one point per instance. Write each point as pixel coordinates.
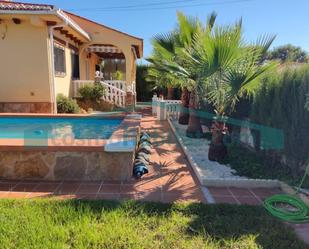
(68, 147)
(57, 127)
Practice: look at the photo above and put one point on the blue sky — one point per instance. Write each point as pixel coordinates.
(288, 19)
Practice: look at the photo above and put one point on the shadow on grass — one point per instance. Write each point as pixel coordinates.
(220, 222)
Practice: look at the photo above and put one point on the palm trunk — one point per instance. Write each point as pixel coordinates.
(194, 129)
(170, 93)
(184, 111)
(217, 149)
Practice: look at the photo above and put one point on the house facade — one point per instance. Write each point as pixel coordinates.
(45, 51)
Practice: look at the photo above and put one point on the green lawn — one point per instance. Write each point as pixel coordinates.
(102, 224)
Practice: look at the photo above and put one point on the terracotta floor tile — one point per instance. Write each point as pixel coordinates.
(63, 196)
(39, 195)
(133, 180)
(7, 186)
(128, 188)
(16, 195)
(67, 188)
(241, 192)
(34, 182)
(219, 191)
(109, 182)
(167, 198)
(109, 189)
(46, 187)
(181, 190)
(24, 187)
(88, 188)
(147, 186)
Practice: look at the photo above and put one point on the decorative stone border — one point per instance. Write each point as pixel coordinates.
(240, 183)
(26, 107)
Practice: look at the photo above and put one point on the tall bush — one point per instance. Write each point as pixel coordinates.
(144, 88)
(93, 92)
(280, 103)
(66, 105)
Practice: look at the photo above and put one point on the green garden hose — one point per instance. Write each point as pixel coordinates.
(299, 210)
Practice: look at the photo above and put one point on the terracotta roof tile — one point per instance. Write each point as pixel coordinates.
(8, 5)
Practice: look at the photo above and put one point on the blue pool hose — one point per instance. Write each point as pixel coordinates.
(142, 156)
(139, 170)
(144, 149)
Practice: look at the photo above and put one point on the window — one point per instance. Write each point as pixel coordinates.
(75, 64)
(59, 59)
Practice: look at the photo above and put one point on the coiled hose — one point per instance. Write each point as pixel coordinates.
(298, 211)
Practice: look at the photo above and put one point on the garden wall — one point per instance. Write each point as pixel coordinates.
(51, 165)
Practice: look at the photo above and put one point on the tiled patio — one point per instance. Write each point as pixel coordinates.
(252, 196)
(170, 178)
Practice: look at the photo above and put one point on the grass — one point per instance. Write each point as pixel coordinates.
(104, 224)
(250, 164)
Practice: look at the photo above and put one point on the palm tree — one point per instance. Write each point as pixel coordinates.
(228, 69)
(168, 59)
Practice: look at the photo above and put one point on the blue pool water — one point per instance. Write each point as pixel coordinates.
(49, 127)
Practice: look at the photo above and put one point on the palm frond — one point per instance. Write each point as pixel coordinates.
(165, 40)
(211, 19)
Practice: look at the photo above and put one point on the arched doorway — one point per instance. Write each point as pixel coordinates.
(109, 62)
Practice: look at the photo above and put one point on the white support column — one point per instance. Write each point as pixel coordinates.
(154, 104)
(161, 110)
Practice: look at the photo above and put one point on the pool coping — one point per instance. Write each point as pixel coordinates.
(123, 139)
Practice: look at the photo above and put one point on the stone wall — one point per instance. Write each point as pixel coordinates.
(29, 107)
(66, 165)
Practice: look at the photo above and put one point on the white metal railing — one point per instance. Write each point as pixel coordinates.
(114, 90)
(165, 109)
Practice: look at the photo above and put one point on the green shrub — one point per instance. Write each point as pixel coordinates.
(280, 103)
(144, 88)
(66, 105)
(258, 166)
(92, 92)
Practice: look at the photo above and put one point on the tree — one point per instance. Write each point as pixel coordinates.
(144, 87)
(168, 58)
(228, 69)
(288, 53)
(164, 49)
